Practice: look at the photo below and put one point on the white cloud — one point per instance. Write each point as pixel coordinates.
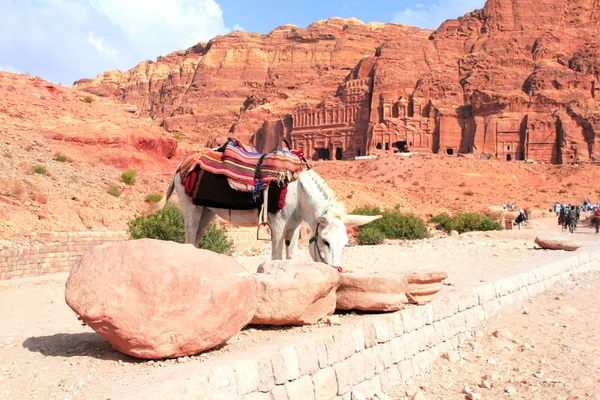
(238, 27)
(65, 40)
(157, 27)
(98, 43)
(9, 68)
(431, 15)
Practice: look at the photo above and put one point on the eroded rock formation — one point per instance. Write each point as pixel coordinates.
(516, 80)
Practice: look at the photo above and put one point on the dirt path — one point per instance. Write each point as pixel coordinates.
(545, 348)
(45, 353)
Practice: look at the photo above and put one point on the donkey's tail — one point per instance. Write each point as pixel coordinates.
(163, 202)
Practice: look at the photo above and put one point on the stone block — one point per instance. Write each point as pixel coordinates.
(343, 375)
(308, 360)
(246, 376)
(443, 307)
(222, 381)
(344, 343)
(365, 388)
(280, 374)
(333, 355)
(386, 353)
(321, 352)
(291, 362)
(357, 368)
(279, 393)
(325, 383)
(474, 316)
(397, 324)
(383, 330)
(376, 383)
(424, 359)
(389, 378)
(413, 318)
(411, 345)
(266, 379)
(369, 358)
(406, 370)
(301, 389)
(359, 338)
(370, 334)
(379, 363)
(491, 308)
(397, 349)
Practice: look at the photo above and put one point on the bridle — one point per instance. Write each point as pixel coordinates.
(314, 240)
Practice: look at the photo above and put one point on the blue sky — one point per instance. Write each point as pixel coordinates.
(65, 40)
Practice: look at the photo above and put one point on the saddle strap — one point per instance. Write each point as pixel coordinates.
(258, 167)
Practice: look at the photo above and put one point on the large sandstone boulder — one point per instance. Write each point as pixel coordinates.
(557, 243)
(422, 287)
(372, 292)
(295, 292)
(158, 299)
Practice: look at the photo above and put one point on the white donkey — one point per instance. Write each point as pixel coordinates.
(308, 199)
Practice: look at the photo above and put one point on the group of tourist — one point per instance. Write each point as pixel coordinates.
(569, 214)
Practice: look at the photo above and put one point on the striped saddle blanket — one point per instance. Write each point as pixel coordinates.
(246, 169)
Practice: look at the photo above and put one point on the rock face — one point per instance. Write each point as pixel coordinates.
(295, 292)
(516, 80)
(372, 292)
(550, 243)
(231, 84)
(422, 287)
(158, 299)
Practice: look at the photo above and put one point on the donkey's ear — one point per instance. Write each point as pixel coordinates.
(360, 220)
(323, 220)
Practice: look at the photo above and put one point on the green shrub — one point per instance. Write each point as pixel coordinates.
(467, 222)
(370, 235)
(60, 157)
(114, 191)
(40, 169)
(129, 176)
(394, 225)
(153, 198)
(88, 99)
(443, 221)
(168, 224)
(216, 240)
(177, 137)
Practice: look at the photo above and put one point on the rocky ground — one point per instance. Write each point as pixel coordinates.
(45, 353)
(545, 348)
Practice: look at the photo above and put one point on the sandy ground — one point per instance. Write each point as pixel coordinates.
(544, 348)
(45, 353)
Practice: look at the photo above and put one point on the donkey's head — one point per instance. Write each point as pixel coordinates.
(330, 236)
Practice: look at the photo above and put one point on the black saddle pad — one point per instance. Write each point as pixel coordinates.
(214, 191)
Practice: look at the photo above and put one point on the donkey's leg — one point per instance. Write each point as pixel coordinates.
(277, 225)
(291, 241)
(191, 215)
(205, 220)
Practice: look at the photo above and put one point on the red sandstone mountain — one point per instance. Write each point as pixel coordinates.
(516, 80)
(236, 81)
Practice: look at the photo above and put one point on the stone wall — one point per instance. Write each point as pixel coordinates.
(372, 355)
(51, 252)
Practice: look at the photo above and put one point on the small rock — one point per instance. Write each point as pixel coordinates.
(467, 389)
(539, 374)
(485, 384)
(473, 396)
(525, 310)
(510, 390)
(333, 320)
(525, 346)
(491, 361)
(502, 333)
(452, 356)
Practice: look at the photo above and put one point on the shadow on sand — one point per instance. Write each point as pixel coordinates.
(88, 344)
